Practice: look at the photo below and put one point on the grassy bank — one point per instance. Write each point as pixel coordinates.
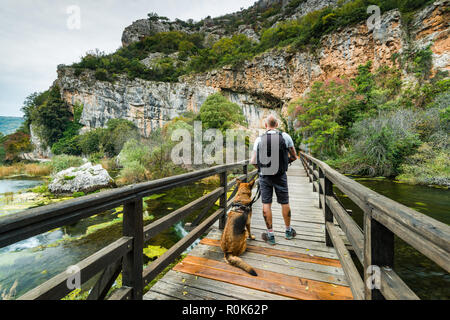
(25, 169)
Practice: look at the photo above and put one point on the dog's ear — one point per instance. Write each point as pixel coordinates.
(238, 182)
(251, 184)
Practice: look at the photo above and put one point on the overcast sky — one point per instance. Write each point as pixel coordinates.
(35, 37)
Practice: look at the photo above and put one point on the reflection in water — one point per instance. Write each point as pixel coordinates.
(423, 276)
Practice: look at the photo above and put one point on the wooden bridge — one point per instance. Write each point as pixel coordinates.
(317, 264)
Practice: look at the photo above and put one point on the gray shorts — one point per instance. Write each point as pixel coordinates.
(279, 183)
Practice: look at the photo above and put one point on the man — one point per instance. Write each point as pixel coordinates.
(271, 154)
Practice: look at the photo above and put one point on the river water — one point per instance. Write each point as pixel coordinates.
(422, 275)
(33, 261)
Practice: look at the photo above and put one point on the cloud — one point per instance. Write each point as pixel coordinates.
(35, 37)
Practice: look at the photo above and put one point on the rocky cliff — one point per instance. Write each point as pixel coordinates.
(266, 83)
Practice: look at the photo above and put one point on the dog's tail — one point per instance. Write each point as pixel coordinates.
(239, 263)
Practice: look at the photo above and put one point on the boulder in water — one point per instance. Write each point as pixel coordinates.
(87, 178)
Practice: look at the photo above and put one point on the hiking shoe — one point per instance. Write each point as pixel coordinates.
(291, 234)
(268, 239)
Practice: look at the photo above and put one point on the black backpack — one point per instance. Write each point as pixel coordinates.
(276, 164)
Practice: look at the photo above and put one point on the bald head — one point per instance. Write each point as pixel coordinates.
(271, 122)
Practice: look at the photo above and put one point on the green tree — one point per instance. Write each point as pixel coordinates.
(52, 117)
(219, 113)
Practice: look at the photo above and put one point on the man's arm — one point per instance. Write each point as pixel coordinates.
(291, 148)
(253, 161)
(292, 154)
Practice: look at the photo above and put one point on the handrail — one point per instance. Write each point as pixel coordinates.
(126, 254)
(383, 218)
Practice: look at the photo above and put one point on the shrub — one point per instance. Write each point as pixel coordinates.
(15, 144)
(133, 152)
(324, 114)
(428, 166)
(381, 144)
(219, 113)
(133, 172)
(64, 162)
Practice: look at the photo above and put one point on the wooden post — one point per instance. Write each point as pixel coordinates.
(313, 167)
(308, 163)
(223, 200)
(378, 253)
(321, 176)
(133, 226)
(246, 173)
(328, 186)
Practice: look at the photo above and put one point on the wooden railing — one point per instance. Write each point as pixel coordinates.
(126, 254)
(374, 245)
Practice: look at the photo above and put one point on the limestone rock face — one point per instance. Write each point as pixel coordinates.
(148, 104)
(87, 178)
(266, 83)
(39, 152)
(279, 75)
(144, 27)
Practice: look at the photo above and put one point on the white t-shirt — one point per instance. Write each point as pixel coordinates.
(287, 139)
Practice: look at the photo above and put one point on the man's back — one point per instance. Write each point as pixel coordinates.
(272, 151)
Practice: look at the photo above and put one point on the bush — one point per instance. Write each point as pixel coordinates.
(219, 113)
(134, 151)
(133, 172)
(15, 144)
(381, 144)
(428, 166)
(64, 162)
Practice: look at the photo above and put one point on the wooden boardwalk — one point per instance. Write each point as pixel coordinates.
(303, 268)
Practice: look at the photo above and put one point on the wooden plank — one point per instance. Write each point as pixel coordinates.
(281, 254)
(231, 290)
(421, 225)
(56, 288)
(294, 287)
(297, 244)
(105, 282)
(350, 227)
(281, 235)
(183, 292)
(354, 279)
(289, 267)
(422, 244)
(223, 200)
(393, 287)
(152, 295)
(123, 293)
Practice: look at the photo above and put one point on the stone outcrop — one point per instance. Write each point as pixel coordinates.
(283, 74)
(87, 178)
(266, 83)
(148, 104)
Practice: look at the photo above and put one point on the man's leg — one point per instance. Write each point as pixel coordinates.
(267, 212)
(282, 191)
(286, 210)
(266, 198)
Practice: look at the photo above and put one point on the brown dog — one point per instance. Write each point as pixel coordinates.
(237, 228)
